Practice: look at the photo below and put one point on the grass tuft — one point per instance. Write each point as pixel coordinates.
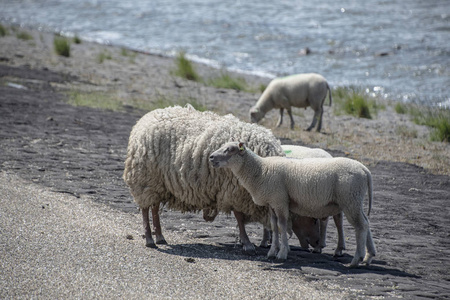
(400, 108)
(3, 31)
(225, 81)
(76, 39)
(351, 100)
(62, 46)
(24, 36)
(101, 57)
(184, 68)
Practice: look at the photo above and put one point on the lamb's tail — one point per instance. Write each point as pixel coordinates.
(329, 93)
(370, 190)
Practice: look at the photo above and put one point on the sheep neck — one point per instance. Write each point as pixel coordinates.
(265, 103)
(250, 171)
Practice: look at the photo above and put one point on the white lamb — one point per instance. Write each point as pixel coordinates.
(301, 90)
(167, 163)
(314, 187)
(300, 152)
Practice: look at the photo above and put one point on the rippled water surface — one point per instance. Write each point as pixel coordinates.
(400, 48)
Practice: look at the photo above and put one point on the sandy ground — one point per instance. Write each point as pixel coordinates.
(61, 164)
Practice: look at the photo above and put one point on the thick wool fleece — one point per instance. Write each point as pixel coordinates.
(167, 161)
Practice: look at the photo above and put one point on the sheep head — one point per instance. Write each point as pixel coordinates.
(256, 114)
(225, 155)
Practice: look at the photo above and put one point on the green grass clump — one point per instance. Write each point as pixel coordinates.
(101, 57)
(225, 81)
(3, 31)
(62, 46)
(438, 119)
(184, 68)
(95, 100)
(400, 108)
(24, 36)
(76, 39)
(352, 101)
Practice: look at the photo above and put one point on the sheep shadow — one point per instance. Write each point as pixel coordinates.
(298, 259)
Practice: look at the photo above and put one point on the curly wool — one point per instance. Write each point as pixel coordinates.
(167, 161)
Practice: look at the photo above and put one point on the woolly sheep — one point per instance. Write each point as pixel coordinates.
(167, 163)
(300, 152)
(314, 187)
(301, 90)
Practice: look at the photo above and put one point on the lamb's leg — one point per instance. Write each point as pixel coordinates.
(280, 120)
(339, 222)
(282, 217)
(275, 237)
(266, 238)
(248, 246)
(359, 221)
(289, 110)
(370, 249)
(157, 226)
(323, 235)
(148, 232)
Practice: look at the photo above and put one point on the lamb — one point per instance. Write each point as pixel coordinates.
(167, 163)
(301, 90)
(300, 152)
(314, 187)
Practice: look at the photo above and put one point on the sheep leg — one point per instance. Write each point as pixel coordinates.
(148, 232)
(282, 224)
(275, 246)
(157, 226)
(289, 110)
(370, 249)
(361, 224)
(323, 235)
(319, 126)
(280, 120)
(248, 246)
(339, 222)
(265, 239)
(317, 114)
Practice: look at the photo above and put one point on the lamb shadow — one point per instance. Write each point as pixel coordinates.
(298, 259)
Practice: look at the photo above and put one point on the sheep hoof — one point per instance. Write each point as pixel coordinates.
(161, 242)
(249, 249)
(355, 262)
(338, 253)
(151, 245)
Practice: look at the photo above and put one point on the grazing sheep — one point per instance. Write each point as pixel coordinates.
(300, 152)
(167, 163)
(300, 90)
(314, 187)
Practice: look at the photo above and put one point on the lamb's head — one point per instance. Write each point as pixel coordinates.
(226, 155)
(256, 114)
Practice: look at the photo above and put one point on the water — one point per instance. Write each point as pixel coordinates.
(399, 49)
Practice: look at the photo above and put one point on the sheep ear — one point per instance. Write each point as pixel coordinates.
(241, 147)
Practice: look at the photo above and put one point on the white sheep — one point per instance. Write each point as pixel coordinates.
(301, 90)
(167, 163)
(314, 187)
(300, 152)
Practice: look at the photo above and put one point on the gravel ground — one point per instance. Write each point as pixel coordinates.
(57, 246)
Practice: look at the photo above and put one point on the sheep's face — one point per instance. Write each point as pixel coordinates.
(222, 157)
(255, 114)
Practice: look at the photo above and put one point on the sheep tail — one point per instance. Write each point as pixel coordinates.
(329, 93)
(370, 190)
